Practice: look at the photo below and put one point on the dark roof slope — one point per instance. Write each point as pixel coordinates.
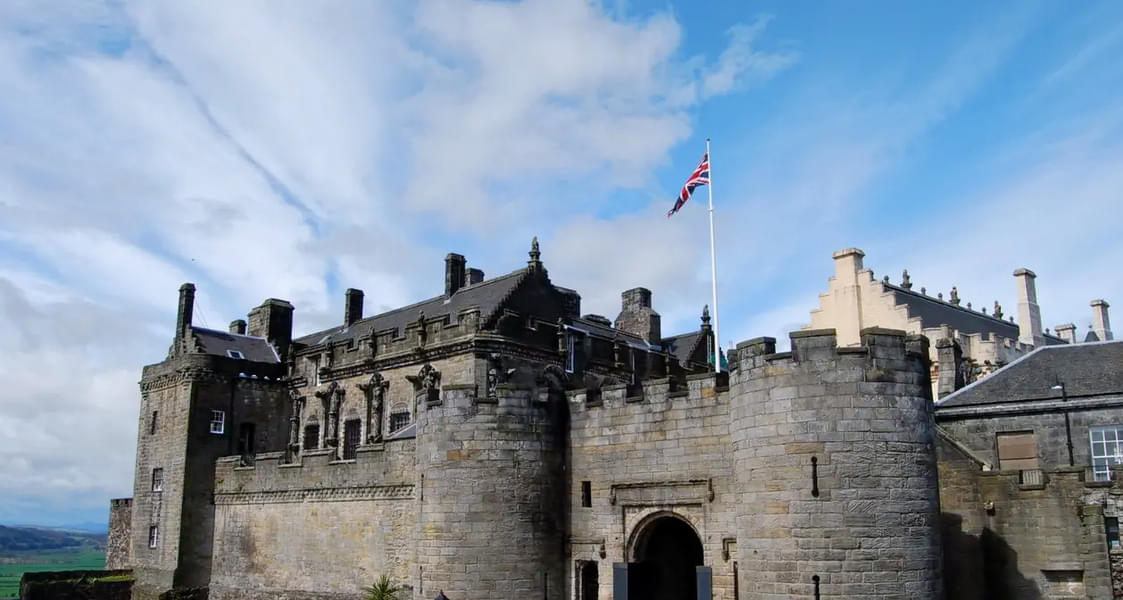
(934, 312)
(684, 345)
(607, 331)
(487, 296)
(219, 343)
(1086, 370)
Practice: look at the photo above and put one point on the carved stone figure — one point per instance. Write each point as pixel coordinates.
(375, 391)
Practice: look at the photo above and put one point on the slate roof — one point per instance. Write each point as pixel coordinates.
(605, 331)
(682, 346)
(487, 296)
(252, 348)
(934, 312)
(1092, 369)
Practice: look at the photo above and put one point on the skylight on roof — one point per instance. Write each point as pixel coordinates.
(234, 354)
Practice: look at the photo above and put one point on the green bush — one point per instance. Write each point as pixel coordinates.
(384, 589)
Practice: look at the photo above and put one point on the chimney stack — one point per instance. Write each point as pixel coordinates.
(1100, 323)
(238, 327)
(473, 277)
(1067, 332)
(1029, 313)
(273, 321)
(454, 272)
(352, 307)
(186, 308)
(637, 317)
(847, 292)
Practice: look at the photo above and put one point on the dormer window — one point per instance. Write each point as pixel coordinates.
(234, 354)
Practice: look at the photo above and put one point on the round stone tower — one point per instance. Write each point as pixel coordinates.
(491, 494)
(835, 458)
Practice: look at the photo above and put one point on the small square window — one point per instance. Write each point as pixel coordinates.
(234, 354)
(586, 494)
(218, 421)
(398, 420)
(157, 480)
(153, 536)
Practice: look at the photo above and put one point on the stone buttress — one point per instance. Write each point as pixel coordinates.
(836, 467)
(490, 504)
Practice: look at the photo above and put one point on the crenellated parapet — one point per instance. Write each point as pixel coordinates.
(836, 467)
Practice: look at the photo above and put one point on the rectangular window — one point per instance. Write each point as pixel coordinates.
(398, 420)
(218, 421)
(351, 430)
(152, 424)
(586, 494)
(1017, 450)
(153, 536)
(570, 353)
(246, 439)
(1107, 449)
(311, 436)
(157, 480)
(1111, 527)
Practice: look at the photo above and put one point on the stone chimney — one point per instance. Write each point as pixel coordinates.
(273, 321)
(847, 295)
(1100, 323)
(949, 357)
(637, 317)
(186, 309)
(238, 326)
(1067, 332)
(454, 272)
(1029, 314)
(352, 306)
(473, 277)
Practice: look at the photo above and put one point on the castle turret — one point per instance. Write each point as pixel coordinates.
(491, 480)
(835, 462)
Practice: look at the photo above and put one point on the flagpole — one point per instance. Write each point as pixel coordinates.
(713, 262)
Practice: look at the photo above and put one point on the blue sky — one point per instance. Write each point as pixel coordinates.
(294, 149)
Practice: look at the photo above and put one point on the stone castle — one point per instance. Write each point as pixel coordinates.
(494, 443)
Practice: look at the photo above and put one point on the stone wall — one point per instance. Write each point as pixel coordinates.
(77, 585)
(976, 428)
(1025, 534)
(663, 451)
(118, 545)
(491, 492)
(836, 468)
(318, 528)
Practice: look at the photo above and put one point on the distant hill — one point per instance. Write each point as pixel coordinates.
(35, 539)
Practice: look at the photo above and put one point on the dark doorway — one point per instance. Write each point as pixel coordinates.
(668, 553)
(589, 581)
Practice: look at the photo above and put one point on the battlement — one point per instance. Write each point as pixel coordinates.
(120, 503)
(702, 389)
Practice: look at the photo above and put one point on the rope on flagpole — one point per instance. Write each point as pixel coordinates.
(713, 262)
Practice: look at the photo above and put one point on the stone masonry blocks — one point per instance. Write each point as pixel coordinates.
(838, 444)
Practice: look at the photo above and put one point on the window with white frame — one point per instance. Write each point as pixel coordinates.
(218, 421)
(1107, 449)
(153, 536)
(157, 479)
(570, 353)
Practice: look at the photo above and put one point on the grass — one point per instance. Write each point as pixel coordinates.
(35, 562)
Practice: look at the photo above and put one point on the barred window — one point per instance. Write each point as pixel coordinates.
(218, 421)
(398, 420)
(1107, 450)
(311, 436)
(351, 430)
(157, 480)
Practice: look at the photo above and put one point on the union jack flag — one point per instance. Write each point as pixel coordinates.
(700, 176)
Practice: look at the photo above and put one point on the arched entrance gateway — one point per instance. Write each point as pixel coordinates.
(666, 563)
